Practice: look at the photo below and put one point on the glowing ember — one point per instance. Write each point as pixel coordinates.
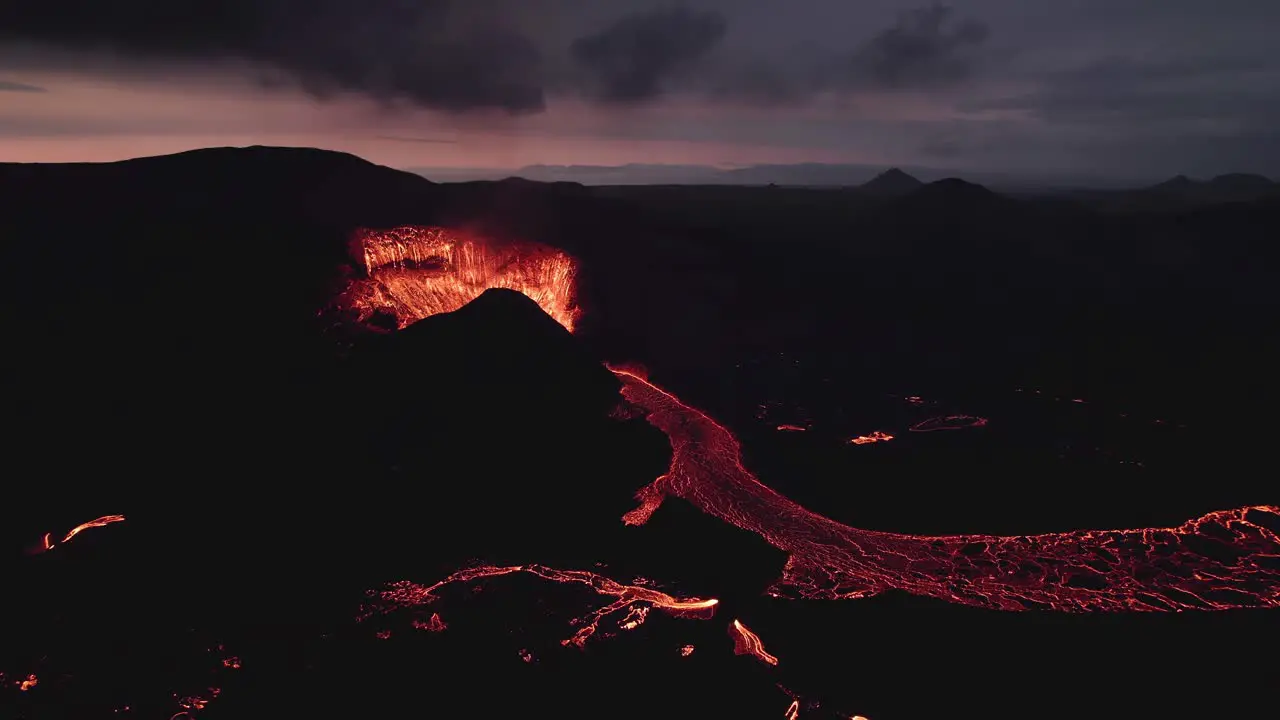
(631, 604)
(686, 651)
(413, 273)
(791, 428)
(746, 642)
(1079, 571)
(874, 437)
(793, 710)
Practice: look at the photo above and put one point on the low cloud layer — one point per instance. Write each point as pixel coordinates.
(460, 55)
(1121, 85)
(12, 86)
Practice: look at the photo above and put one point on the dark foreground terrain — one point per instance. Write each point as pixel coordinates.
(172, 356)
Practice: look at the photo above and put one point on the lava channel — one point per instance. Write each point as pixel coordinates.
(1155, 569)
(414, 272)
(630, 607)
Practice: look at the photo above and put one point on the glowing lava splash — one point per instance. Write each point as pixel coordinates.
(414, 272)
(1225, 559)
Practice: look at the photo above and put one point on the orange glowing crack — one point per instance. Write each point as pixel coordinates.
(793, 710)
(874, 437)
(791, 428)
(746, 642)
(1222, 560)
(416, 272)
(630, 607)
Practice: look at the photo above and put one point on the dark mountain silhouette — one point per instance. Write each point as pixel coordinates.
(950, 200)
(891, 183)
(1234, 187)
(301, 184)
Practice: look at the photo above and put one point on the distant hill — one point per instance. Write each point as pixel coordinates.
(1233, 187)
(302, 184)
(892, 182)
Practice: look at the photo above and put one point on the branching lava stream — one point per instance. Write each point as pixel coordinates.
(1222, 560)
(631, 604)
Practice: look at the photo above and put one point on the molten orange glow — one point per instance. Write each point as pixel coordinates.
(28, 682)
(416, 272)
(949, 422)
(746, 642)
(791, 428)
(686, 651)
(1155, 569)
(793, 710)
(630, 607)
(874, 437)
(47, 543)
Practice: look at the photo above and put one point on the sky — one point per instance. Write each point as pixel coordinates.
(1109, 88)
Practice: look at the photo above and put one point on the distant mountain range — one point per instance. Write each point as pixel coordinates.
(795, 175)
(891, 181)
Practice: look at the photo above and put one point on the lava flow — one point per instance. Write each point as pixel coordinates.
(631, 604)
(414, 272)
(47, 542)
(1225, 559)
(874, 437)
(949, 422)
(746, 642)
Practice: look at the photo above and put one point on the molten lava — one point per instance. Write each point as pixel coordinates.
(631, 604)
(1223, 560)
(47, 543)
(949, 422)
(746, 642)
(415, 272)
(875, 437)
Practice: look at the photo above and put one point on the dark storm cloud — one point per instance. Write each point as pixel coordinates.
(926, 48)
(11, 86)
(435, 53)
(632, 59)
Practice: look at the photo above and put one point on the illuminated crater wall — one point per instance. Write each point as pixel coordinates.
(415, 272)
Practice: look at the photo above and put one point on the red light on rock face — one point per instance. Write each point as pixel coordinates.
(410, 273)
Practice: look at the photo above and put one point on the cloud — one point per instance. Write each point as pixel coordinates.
(11, 86)
(631, 59)
(425, 140)
(1121, 90)
(441, 54)
(462, 55)
(925, 48)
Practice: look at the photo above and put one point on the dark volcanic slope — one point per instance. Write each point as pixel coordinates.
(891, 183)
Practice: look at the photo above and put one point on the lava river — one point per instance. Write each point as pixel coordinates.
(1225, 559)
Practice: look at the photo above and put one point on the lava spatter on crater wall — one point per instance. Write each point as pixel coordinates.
(415, 272)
